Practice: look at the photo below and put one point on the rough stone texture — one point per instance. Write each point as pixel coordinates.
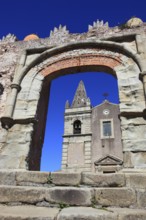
(136, 180)
(141, 198)
(129, 214)
(13, 156)
(27, 195)
(7, 178)
(123, 197)
(27, 212)
(103, 180)
(17, 145)
(117, 50)
(76, 198)
(54, 195)
(71, 179)
(135, 160)
(70, 196)
(85, 213)
(32, 177)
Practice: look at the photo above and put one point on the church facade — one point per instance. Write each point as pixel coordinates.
(92, 135)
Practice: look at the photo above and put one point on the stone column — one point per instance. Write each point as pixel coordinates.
(7, 120)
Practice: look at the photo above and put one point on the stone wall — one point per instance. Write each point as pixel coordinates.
(27, 67)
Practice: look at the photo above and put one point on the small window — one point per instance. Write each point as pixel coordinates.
(77, 127)
(107, 130)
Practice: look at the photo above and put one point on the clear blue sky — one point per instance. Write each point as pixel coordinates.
(21, 18)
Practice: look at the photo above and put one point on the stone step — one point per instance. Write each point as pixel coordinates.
(33, 178)
(28, 212)
(71, 213)
(46, 179)
(49, 196)
(89, 213)
(70, 196)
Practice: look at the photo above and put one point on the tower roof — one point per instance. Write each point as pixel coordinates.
(80, 98)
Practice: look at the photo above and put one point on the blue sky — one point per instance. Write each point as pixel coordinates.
(21, 18)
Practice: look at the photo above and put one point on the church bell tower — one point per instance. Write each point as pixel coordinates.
(76, 155)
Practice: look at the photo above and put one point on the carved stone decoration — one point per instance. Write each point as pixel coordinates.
(59, 34)
(60, 30)
(98, 26)
(108, 160)
(9, 38)
(67, 105)
(1, 89)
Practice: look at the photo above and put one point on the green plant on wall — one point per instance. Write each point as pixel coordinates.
(63, 205)
(50, 179)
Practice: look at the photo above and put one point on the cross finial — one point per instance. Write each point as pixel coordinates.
(105, 95)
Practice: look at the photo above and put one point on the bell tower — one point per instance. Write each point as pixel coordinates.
(76, 155)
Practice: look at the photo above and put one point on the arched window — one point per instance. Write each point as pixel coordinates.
(77, 127)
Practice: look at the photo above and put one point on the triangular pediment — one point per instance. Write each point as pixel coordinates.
(108, 160)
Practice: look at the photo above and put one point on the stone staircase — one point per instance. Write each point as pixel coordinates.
(72, 196)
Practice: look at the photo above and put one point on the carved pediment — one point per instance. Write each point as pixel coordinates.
(108, 160)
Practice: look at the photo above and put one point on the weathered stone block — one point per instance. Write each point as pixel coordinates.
(21, 104)
(13, 161)
(132, 121)
(134, 144)
(129, 214)
(141, 198)
(17, 137)
(7, 178)
(3, 135)
(64, 179)
(32, 177)
(70, 196)
(127, 160)
(129, 106)
(34, 95)
(130, 132)
(27, 212)
(135, 159)
(136, 180)
(123, 197)
(103, 180)
(83, 213)
(13, 149)
(21, 194)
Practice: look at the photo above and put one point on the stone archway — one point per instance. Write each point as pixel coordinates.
(25, 116)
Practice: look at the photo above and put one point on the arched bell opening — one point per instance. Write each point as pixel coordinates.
(77, 127)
